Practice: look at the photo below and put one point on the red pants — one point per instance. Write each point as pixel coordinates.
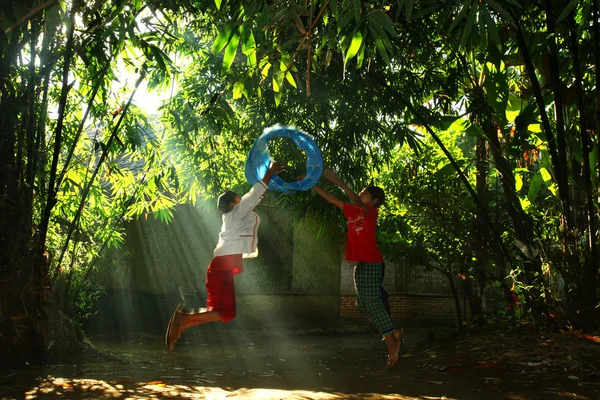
(220, 287)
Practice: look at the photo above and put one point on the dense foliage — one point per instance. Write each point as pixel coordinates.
(479, 118)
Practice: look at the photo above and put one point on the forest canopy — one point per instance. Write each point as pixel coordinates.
(478, 118)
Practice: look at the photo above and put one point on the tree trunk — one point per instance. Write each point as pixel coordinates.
(459, 315)
(590, 276)
(480, 230)
(559, 171)
(596, 36)
(523, 225)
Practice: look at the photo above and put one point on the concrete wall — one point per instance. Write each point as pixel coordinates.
(298, 277)
(296, 274)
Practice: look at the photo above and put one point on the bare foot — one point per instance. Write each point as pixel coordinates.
(394, 342)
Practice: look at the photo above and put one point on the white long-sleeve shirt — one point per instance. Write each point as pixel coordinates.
(239, 232)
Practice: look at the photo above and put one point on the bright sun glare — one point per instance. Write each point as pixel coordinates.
(63, 387)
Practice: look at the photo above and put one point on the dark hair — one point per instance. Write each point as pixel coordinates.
(224, 200)
(377, 193)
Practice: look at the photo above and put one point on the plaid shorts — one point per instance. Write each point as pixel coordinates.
(369, 293)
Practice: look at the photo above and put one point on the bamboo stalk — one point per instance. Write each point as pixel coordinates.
(558, 109)
(30, 14)
(29, 169)
(52, 190)
(88, 109)
(89, 184)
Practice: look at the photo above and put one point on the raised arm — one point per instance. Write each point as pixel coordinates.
(276, 167)
(333, 178)
(255, 195)
(329, 197)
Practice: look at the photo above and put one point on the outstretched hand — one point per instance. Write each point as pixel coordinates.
(332, 177)
(277, 167)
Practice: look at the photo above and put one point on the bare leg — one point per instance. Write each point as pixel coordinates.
(198, 318)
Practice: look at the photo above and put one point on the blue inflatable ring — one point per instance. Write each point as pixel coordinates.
(259, 160)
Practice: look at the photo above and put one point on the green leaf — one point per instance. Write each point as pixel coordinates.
(221, 40)
(483, 37)
(514, 3)
(218, 4)
(518, 182)
(382, 51)
(238, 89)
(409, 8)
(361, 56)
(380, 18)
(248, 42)
(461, 14)
(534, 187)
(248, 45)
(357, 11)
(474, 130)
(265, 71)
(503, 13)
(444, 122)
(334, 9)
(354, 46)
(468, 28)
(262, 21)
(545, 174)
(572, 4)
(290, 78)
(496, 86)
(426, 11)
(492, 28)
(230, 51)
(345, 21)
(443, 17)
(381, 34)
(277, 81)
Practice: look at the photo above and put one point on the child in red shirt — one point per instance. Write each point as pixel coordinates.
(362, 248)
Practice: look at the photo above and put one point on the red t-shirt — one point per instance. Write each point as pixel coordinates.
(362, 234)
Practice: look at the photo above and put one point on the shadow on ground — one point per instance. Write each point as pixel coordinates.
(219, 363)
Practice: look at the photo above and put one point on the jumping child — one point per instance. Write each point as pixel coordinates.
(238, 239)
(362, 248)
